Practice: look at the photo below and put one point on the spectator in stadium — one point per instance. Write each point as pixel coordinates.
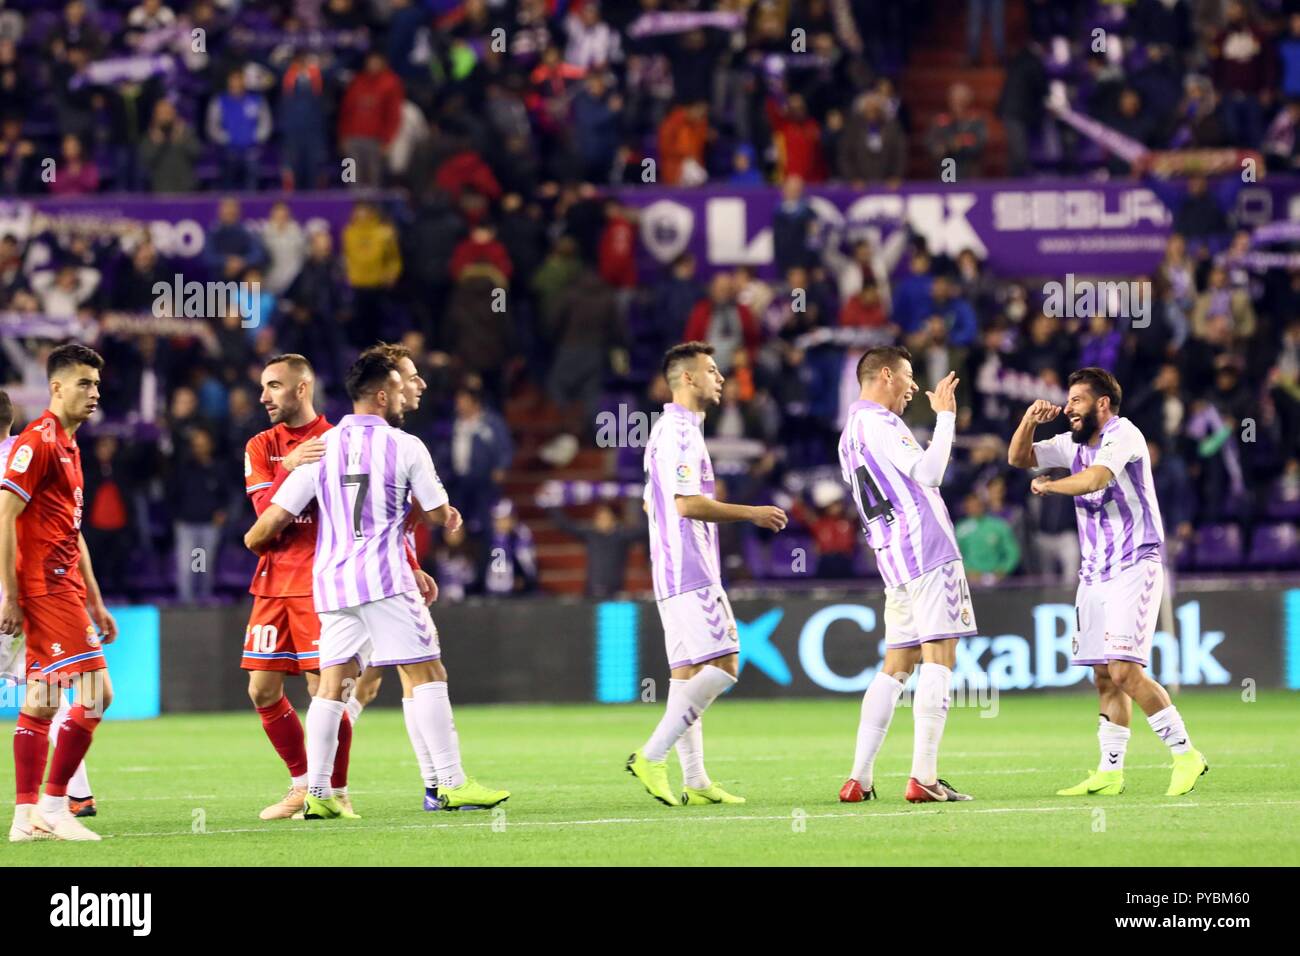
(674, 299)
(63, 291)
(957, 315)
(509, 562)
(793, 225)
(373, 260)
(239, 122)
(683, 136)
(1220, 298)
(1175, 495)
(592, 43)
(168, 152)
(960, 135)
(1288, 51)
(197, 504)
(19, 165)
(134, 290)
(286, 248)
(1055, 538)
(1244, 73)
(597, 113)
(834, 532)
(481, 451)
(74, 174)
(607, 540)
(1135, 122)
(590, 335)
(865, 310)
(912, 302)
(302, 122)
(1281, 146)
(369, 117)
(873, 147)
(148, 17)
(232, 247)
(110, 487)
(988, 546)
(979, 12)
(1200, 218)
(454, 566)
(1020, 105)
(724, 323)
(1198, 122)
(797, 137)
(12, 278)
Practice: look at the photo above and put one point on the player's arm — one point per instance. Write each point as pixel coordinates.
(930, 465)
(701, 508)
(1021, 453)
(94, 599)
(11, 616)
(295, 493)
(1093, 478)
(427, 491)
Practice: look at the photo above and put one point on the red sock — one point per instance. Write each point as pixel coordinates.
(74, 741)
(281, 723)
(340, 776)
(31, 748)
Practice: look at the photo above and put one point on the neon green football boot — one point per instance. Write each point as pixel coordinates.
(692, 796)
(653, 774)
(1102, 783)
(471, 795)
(316, 808)
(1188, 768)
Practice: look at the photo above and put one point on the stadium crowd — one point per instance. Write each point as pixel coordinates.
(509, 151)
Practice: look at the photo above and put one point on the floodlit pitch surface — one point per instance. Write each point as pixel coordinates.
(186, 790)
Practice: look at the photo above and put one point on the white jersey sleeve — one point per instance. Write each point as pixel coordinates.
(1054, 452)
(426, 487)
(1121, 447)
(298, 489)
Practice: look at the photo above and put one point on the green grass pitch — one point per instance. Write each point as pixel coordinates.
(186, 790)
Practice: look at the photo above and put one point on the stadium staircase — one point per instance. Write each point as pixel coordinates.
(938, 61)
(562, 559)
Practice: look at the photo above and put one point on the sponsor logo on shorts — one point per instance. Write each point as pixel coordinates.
(965, 617)
(1074, 647)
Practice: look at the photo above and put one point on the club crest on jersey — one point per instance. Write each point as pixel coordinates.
(22, 459)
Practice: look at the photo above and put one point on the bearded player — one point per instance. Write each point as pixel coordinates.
(699, 628)
(283, 629)
(48, 586)
(413, 386)
(1121, 577)
(927, 601)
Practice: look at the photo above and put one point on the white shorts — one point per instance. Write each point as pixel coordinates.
(1116, 619)
(698, 626)
(934, 607)
(391, 630)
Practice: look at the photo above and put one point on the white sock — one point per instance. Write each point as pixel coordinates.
(685, 708)
(79, 785)
(690, 745)
(878, 705)
(52, 807)
(1114, 742)
(323, 719)
(433, 718)
(355, 707)
(929, 713)
(1168, 725)
(299, 783)
(422, 755)
(23, 814)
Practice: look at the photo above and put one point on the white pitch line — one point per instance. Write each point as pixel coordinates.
(682, 818)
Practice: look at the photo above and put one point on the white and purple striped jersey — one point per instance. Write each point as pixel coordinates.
(684, 552)
(6, 448)
(1119, 525)
(906, 522)
(363, 486)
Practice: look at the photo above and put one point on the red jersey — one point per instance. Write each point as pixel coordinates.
(284, 569)
(45, 471)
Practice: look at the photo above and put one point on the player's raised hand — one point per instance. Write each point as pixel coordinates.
(944, 396)
(1042, 412)
(769, 517)
(104, 622)
(11, 615)
(305, 454)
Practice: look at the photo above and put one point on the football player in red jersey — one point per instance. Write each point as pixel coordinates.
(48, 587)
(283, 629)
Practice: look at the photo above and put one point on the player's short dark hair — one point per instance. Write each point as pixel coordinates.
(6, 411)
(71, 355)
(368, 373)
(299, 363)
(682, 353)
(884, 356)
(1100, 382)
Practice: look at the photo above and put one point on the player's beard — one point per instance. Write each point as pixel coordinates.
(1087, 427)
(394, 418)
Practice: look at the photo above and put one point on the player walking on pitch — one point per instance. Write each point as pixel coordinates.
(1122, 575)
(49, 585)
(927, 601)
(364, 588)
(699, 628)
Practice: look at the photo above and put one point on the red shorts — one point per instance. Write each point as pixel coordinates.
(60, 637)
(283, 635)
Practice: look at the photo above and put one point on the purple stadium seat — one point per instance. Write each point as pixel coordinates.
(1218, 547)
(1275, 546)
